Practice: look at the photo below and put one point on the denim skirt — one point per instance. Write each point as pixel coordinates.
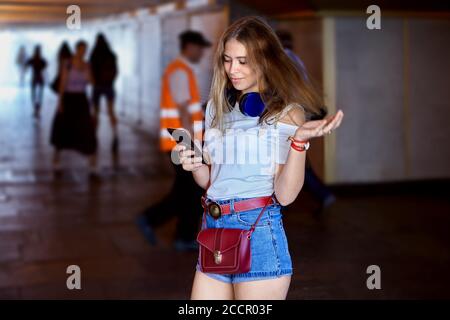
(269, 247)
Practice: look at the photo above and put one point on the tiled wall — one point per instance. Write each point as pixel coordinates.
(393, 87)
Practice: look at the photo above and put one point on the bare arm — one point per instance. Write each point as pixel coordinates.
(62, 85)
(200, 171)
(201, 176)
(290, 176)
(89, 75)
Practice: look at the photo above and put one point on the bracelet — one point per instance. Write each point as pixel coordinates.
(296, 141)
(298, 145)
(300, 148)
(297, 148)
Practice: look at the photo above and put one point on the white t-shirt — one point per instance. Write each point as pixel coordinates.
(243, 158)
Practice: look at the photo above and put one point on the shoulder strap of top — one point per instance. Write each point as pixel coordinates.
(285, 111)
(289, 108)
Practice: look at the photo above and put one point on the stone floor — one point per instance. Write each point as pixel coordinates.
(47, 224)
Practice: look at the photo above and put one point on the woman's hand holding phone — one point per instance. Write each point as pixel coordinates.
(188, 159)
(190, 154)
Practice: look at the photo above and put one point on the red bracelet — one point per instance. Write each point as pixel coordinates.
(297, 141)
(297, 148)
(299, 145)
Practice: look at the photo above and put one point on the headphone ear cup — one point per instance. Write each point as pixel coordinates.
(251, 104)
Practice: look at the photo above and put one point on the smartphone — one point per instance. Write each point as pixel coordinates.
(183, 137)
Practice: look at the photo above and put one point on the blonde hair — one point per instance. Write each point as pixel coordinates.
(280, 83)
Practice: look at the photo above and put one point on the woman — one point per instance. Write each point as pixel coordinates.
(63, 58)
(21, 62)
(104, 72)
(38, 65)
(250, 58)
(73, 126)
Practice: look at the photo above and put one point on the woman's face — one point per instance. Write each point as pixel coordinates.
(235, 61)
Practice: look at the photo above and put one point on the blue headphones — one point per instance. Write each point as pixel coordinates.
(250, 104)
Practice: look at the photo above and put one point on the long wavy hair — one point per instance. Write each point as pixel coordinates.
(280, 83)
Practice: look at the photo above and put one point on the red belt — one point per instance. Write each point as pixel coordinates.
(240, 205)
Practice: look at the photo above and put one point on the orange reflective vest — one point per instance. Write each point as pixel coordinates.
(170, 116)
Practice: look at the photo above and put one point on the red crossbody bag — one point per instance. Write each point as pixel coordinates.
(224, 250)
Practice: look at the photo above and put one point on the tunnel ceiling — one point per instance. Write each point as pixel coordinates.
(287, 7)
(54, 11)
(33, 12)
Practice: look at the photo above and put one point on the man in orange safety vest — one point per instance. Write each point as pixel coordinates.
(180, 108)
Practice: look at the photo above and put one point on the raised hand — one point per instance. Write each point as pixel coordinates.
(317, 128)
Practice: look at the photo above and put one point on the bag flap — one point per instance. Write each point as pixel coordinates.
(220, 239)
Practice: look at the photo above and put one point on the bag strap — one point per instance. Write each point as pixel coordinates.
(203, 200)
(260, 215)
(252, 228)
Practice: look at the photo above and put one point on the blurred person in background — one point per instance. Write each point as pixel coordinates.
(73, 126)
(104, 72)
(180, 108)
(38, 65)
(21, 62)
(63, 59)
(312, 182)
